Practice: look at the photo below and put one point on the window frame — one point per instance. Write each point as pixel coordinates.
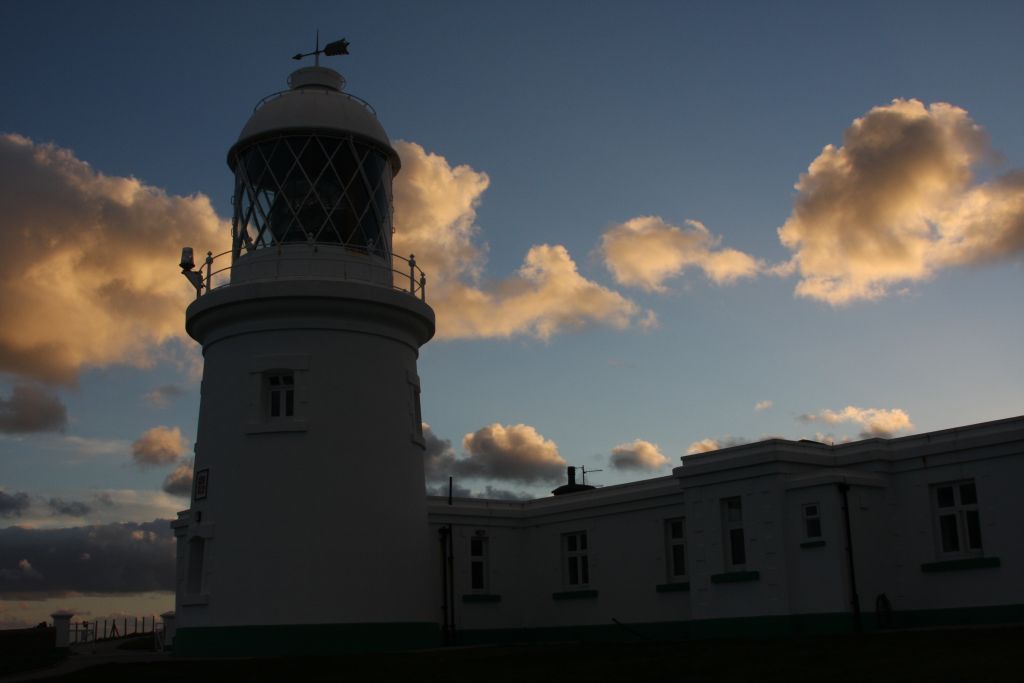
(284, 390)
(728, 527)
(582, 577)
(482, 560)
(961, 513)
(671, 543)
(805, 520)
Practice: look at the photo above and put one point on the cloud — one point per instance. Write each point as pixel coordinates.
(707, 445)
(510, 453)
(119, 559)
(163, 395)
(645, 251)
(13, 504)
(158, 446)
(69, 508)
(545, 296)
(96, 253)
(31, 409)
(896, 203)
(179, 481)
(638, 455)
(878, 422)
(763, 405)
(439, 457)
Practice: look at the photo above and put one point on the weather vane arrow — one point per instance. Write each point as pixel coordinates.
(338, 47)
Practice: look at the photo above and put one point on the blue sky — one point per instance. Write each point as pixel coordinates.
(583, 115)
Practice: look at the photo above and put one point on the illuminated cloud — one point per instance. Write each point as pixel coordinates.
(897, 202)
(158, 446)
(638, 455)
(510, 453)
(32, 409)
(708, 445)
(435, 218)
(109, 558)
(761, 406)
(96, 253)
(179, 481)
(163, 395)
(644, 252)
(873, 421)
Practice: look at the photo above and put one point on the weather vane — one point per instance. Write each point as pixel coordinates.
(338, 47)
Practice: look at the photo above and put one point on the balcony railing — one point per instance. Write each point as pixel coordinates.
(406, 277)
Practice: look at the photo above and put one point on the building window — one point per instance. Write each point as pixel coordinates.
(576, 564)
(418, 416)
(812, 521)
(956, 518)
(675, 551)
(280, 388)
(478, 564)
(732, 532)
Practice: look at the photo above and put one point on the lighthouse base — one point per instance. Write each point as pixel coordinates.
(304, 639)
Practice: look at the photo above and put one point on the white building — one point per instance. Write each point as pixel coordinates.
(309, 529)
(752, 539)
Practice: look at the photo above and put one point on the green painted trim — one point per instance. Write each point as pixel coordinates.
(304, 639)
(774, 626)
(574, 595)
(481, 597)
(812, 544)
(734, 577)
(957, 565)
(673, 587)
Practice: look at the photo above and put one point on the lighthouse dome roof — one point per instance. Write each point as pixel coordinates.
(315, 100)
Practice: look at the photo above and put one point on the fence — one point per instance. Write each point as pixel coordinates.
(116, 627)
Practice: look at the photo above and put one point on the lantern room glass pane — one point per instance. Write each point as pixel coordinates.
(316, 189)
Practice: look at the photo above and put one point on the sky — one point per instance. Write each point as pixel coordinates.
(649, 229)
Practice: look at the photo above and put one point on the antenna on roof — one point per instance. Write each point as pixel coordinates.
(585, 470)
(338, 47)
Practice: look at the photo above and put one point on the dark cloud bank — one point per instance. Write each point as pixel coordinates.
(108, 558)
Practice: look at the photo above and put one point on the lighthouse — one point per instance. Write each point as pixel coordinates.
(307, 529)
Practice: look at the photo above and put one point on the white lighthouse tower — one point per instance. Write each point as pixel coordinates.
(307, 530)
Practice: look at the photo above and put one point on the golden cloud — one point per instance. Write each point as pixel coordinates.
(88, 266)
(645, 251)
(638, 455)
(435, 214)
(880, 422)
(895, 203)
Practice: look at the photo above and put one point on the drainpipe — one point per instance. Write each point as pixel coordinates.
(858, 627)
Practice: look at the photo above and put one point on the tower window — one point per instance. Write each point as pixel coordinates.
(280, 388)
(194, 578)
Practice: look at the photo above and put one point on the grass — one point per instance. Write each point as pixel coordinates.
(981, 654)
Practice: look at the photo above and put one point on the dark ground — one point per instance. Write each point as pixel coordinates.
(978, 654)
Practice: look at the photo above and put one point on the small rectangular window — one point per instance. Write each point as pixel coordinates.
(812, 521)
(675, 542)
(734, 540)
(202, 483)
(957, 521)
(576, 562)
(478, 563)
(280, 388)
